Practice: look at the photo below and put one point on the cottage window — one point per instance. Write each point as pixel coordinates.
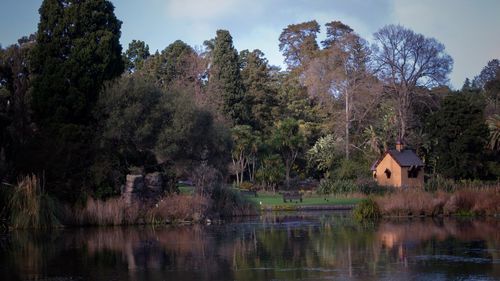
(413, 172)
(387, 173)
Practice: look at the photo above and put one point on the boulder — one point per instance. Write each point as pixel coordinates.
(154, 181)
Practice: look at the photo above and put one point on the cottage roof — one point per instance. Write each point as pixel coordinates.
(404, 158)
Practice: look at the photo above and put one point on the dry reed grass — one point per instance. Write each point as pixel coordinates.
(113, 211)
(415, 202)
(179, 208)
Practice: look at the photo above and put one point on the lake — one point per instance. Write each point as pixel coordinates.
(275, 246)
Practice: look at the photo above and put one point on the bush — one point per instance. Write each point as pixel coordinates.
(331, 186)
(114, 211)
(30, 207)
(228, 202)
(179, 208)
(367, 209)
(439, 183)
(369, 186)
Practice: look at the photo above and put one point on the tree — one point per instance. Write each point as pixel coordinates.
(15, 116)
(298, 43)
(288, 140)
(406, 60)
(243, 138)
(323, 155)
(459, 136)
(225, 80)
(136, 54)
(77, 49)
(256, 79)
(488, 73)
(150, 128)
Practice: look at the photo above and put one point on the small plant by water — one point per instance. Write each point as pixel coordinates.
(367, 209)
(30, 207)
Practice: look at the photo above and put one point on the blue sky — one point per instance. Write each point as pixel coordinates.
(469, 29)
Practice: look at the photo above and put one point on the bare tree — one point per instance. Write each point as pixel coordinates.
(406, 60)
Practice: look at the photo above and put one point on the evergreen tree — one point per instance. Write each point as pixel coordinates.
(256, 80)
(459, 136)
(225, 79)
(136, 54)
(77, 50)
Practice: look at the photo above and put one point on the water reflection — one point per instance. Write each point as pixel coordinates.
(298, 246)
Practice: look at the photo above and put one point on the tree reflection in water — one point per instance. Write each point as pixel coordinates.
(293, 246)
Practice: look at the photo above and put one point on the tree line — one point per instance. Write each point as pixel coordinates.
(78, 110)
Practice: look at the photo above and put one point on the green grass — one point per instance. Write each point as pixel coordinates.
(271, 200)
(185, 189)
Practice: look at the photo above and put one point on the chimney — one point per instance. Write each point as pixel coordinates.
(399, 145)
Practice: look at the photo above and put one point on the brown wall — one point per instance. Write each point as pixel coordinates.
(399, 175)
(412, 182)
(388, 163)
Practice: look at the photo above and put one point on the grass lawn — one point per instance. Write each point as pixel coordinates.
(269, 199)
(185, 189)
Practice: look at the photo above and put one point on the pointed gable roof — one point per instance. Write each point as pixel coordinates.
(404, 158)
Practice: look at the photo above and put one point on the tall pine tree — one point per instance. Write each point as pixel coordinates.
(225, 80)
(77, 50)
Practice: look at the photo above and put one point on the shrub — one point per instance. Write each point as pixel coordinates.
(114, 211)
(179, 208)
(30, 207)
(246, 185)
(369, 186)
(331, 186)
(439, 183)
(228, 202)
(367, 209)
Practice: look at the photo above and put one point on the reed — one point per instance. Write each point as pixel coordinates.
(30, 207)
(415, 202)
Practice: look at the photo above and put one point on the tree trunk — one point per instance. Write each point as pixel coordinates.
(347, 125)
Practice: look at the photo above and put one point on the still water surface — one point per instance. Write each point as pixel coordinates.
(287, 246)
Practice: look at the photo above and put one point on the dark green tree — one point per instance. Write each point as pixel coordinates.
(459, 137)
(144, 126)
(257, 82)
(136, 54)
(77, 50)
(288, 140)
(225, 80)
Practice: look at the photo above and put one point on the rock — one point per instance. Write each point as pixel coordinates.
(154, 181)
(135, 183)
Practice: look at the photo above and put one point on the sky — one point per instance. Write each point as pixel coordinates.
(470, 29)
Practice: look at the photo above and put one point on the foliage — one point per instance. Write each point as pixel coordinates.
(323, 155)
(30, 207)
(367, 209)
(77, 50)
(136, 54)
(138, 118)
(228, 202)
(460, 135)
(494, 127)
(225, 79)
(298, 43)
(439, 183)
(407, 60)
(288, 140)
(260, 94)
(271, 171)
(337, 186)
